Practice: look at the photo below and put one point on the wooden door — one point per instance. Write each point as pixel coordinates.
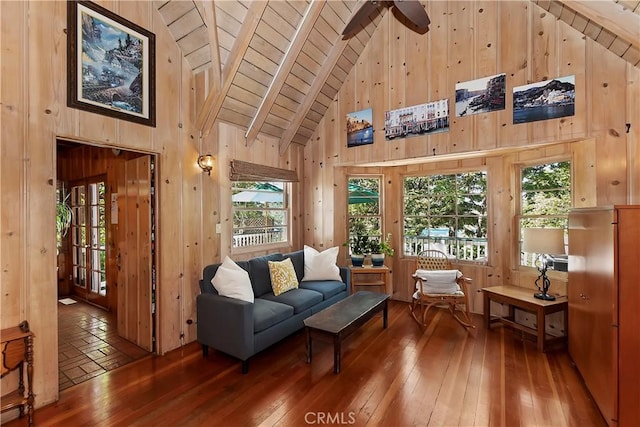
(89, 240)
(592, 308)
(134, 257)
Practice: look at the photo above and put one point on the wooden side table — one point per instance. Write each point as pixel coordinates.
(370, 276)
(17, 349)
(523, 299)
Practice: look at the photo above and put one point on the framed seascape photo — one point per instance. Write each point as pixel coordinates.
(545, 100)
(111, 64)
(481, 95)
(360, 128)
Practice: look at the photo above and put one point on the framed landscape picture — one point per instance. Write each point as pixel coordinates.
(481, 95)
(545, 100)
(111, 64)
(360, 128)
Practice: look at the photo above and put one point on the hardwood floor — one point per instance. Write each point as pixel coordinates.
(400, 376)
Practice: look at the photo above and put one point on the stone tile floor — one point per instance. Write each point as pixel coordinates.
(89, 345)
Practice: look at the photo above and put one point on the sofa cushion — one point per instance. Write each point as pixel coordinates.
(297, 259)
(327, 288)
(283, 276)
(233, 281)
(299, 299)
(321, 265)
(259, 272)
(267, 313)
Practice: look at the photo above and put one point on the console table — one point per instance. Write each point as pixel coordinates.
(16, 346)
(370, 276)
(523, 299)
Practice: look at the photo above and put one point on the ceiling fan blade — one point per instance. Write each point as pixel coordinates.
(414, 11)
(365, 10)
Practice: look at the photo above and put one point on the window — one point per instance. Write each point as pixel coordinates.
(89, 236)
(448, 213)
(544, 202)
(260, 213)
(364, 215)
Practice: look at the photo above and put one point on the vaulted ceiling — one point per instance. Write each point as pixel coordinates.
(278, 64)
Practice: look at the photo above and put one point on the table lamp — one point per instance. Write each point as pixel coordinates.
(543, 241)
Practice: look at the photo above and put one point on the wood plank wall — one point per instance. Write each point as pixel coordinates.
(34, 115)
(470, 40)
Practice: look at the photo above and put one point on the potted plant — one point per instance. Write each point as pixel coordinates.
(63, 220)
(359, 245)
(379, 248)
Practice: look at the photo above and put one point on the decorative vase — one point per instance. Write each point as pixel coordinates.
(377, 260)
(357, 260)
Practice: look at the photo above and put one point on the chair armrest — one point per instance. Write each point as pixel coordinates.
(463, 282)
(225, 324)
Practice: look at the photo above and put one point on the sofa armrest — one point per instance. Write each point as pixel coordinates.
(225, 324)
(345, 273)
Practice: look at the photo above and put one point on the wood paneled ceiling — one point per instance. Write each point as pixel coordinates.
(615, 24)
(278, 64)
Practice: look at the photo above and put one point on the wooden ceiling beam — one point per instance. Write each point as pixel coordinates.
(318, 83)
(612, 16)
(300, 37)
(208, 13)
(215, 98)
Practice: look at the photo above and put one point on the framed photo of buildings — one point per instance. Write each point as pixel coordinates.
(481, 95)
(545, 100)
(432, 117)
(360, 128)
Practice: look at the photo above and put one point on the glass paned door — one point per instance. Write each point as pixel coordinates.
(89, 240)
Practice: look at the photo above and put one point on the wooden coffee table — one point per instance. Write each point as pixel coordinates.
(343, 318)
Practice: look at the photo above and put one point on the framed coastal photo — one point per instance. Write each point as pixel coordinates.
(360, 128)
(544, 100)
(481, 95)
(111, 64)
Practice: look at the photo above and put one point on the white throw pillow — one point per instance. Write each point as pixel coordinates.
(321, 265)
(439, 281)
(439, 276)
(233, 281)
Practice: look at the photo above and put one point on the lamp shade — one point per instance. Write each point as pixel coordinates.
(548, 241)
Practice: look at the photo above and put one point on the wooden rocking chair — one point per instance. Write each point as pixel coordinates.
(427, 295)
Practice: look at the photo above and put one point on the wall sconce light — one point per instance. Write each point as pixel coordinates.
(206, 163)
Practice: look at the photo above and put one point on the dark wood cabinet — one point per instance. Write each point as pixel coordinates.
(16, 349)
(604, 307)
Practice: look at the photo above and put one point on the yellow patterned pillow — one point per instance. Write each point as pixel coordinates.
(283, 276)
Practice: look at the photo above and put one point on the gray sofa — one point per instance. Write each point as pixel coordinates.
(242, 329)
